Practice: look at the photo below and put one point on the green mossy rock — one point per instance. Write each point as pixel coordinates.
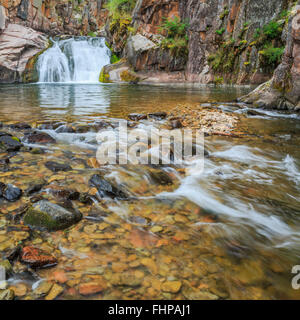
(50, 216)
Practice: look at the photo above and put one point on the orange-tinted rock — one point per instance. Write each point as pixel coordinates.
(89, 288)
(37, 258)
(60, 276)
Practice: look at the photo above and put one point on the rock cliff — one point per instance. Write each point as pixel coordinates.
(225, 41)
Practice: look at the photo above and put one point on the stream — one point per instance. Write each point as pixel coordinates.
(229, 232)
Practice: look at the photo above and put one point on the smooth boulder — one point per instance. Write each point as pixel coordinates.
(50, 216)
(38, 137)
(9, 143)
(56, 167)
(10, 192)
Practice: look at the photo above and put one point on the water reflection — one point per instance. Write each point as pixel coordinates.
(86, 101)
(73, 100)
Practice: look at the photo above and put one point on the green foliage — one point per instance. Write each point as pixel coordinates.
(120, 8)
(220, 31)
(224, 14)
(176, 36)
(271, 55)
(218, 80)
(272, 30)
(92, 34)
(284, 14)
(243, 43)
(114, 59)
(173, 28)
(223, 59)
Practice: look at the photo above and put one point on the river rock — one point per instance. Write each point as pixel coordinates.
(9, 143)
(37, 258)
(34, 188)
(65, 129)
(160, 177)
(7, 266)
(171, 286)
(55, 291)
(10, 192)
(105, 188)
(43, 288)
(38, 137)
(7, 295)
(137, 116)
(20, 126)
(157, 115)
(56, 167)
(65, 193)
(50, 216)
(176, 124)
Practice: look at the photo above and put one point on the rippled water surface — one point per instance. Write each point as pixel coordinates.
(230, 232)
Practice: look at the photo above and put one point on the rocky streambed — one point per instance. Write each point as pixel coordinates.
(71, 228)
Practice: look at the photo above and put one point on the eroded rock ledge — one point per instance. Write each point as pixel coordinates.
(18, 45)
(283, 90)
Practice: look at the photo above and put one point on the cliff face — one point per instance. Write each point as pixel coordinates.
(283, 90)
(229, 41)
(56, 17)
(227, 28)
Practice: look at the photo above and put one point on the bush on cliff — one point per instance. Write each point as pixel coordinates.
(120, 8)
(176, 39)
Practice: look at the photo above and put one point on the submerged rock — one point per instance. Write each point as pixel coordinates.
(37, 258)
(56, 167)
(65, 194)
(50, 216)
(176, 124)
(105, 188)
(158, 115)
(7, 267)
(38, 137)
(137, 116)
(160, 177)
(34, 188)
(65, 129)
(10, 192)
(9, 143)
(20, 126)
(7, 294)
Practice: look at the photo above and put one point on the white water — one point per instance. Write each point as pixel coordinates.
(74, 60)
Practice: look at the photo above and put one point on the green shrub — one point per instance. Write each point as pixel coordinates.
(173, 28)
(271, 55)
(114, 59)
(220, 31)
(120, 8)
(176, 36)
(272, 30)
(224, 14)
(218, 81)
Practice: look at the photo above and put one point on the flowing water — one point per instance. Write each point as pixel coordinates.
(229, 232)
(74, 60)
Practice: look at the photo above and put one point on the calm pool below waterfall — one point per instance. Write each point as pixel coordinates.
(231, 232)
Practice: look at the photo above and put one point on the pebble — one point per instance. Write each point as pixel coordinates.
(55, 291)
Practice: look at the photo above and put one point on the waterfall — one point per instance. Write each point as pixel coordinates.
(73, 60)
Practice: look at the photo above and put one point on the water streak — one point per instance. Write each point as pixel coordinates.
(74, 60)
